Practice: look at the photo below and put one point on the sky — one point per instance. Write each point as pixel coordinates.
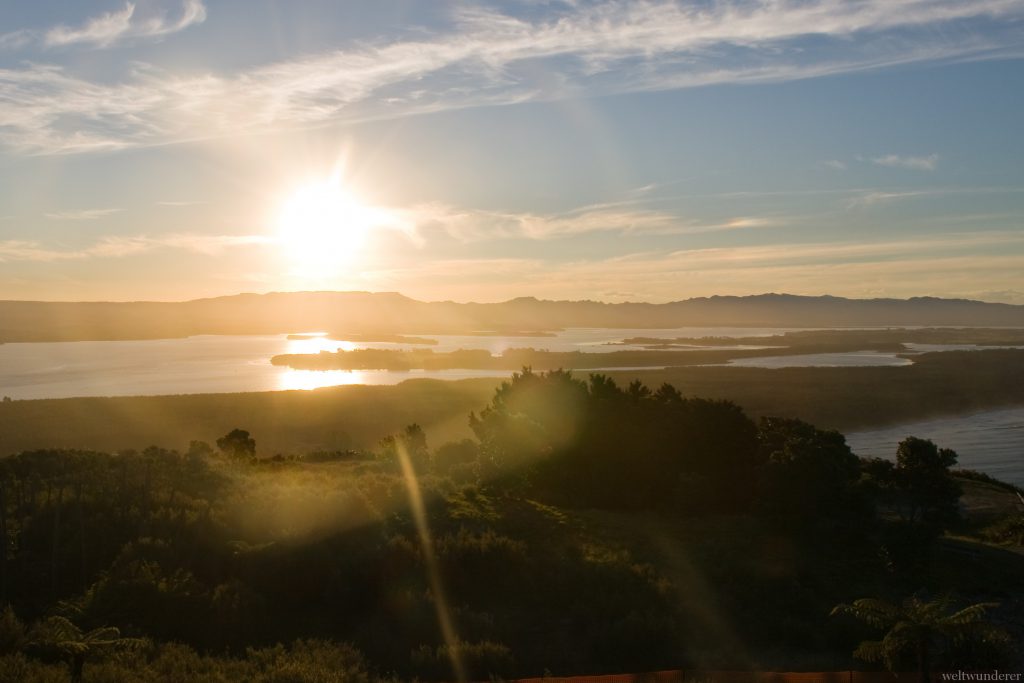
(480, 151)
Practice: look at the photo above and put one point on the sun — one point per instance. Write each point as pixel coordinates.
(322, 227)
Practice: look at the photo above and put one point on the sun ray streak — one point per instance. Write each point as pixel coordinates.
(419, 514)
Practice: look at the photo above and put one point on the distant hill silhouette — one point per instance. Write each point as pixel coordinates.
(389, 312)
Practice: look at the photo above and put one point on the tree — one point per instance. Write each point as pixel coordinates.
(923, 627)
(929, 493)
(237, 444)
(810, 474)
(413, 440)
(59, 636)
(529, 418)
(921, 497)
(199, 450)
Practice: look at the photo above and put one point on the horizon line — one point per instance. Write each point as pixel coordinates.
(762, 295)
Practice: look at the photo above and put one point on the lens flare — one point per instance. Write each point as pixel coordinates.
(419, 514)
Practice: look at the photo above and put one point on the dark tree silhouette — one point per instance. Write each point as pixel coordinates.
(929, 493)
(237, 444)
(811, 474)
(413, 440)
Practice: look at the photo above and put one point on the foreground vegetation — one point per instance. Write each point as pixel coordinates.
(586, 527)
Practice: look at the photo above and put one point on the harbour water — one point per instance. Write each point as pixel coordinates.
(991, 441)
(214, 364)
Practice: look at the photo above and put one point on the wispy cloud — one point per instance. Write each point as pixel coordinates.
(112, 27)
(875, 198)
(422, 224)
(926, 163)
(865, 197)
(81, 214)
(180, 203)
(211, 244)
(947, 265)
(15, 40)
(489, 58)
(472, 225)
(119, 247)
(24, 250)
(836, 165)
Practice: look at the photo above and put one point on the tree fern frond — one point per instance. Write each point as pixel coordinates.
(971, 614)
(870, 651)
(877, 613)
(104, 633)
(69, 608)
(60, 629)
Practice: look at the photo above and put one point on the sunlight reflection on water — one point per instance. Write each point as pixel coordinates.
(218, 364)
(315, 343)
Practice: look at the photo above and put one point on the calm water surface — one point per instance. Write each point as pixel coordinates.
(849, 359)
(991, 441)
(214, 364)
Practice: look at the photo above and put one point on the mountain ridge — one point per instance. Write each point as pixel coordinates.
(393, 312)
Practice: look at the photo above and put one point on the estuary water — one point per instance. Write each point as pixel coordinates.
(991, 441)
(223, 364)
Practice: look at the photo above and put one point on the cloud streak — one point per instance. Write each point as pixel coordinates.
(421, 223)
(113, 27)
(949, 265)
(81, 214)
(875, 198)
(926, 163)
(475, 225)
(120, 247)
(486, 58)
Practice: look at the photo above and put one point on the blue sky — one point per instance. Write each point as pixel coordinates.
(602, 150)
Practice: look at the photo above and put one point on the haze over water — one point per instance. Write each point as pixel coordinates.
(214, 364)
(992, 441)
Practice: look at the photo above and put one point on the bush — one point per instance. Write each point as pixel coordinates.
(12, 632)
(1008, 531)
(17, 668)
(481, 661)
(309, 661)
(455, 455)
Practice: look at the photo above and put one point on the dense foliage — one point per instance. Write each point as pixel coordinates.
(588, 528)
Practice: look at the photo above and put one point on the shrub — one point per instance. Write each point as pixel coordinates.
(481, 660)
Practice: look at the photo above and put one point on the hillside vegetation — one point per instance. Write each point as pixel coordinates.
(586, 527)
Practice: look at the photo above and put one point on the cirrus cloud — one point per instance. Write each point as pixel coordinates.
(111, 27)
(486, 58)
(120, 247)
(918, 163)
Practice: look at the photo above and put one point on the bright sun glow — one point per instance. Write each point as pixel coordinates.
(323, 227)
